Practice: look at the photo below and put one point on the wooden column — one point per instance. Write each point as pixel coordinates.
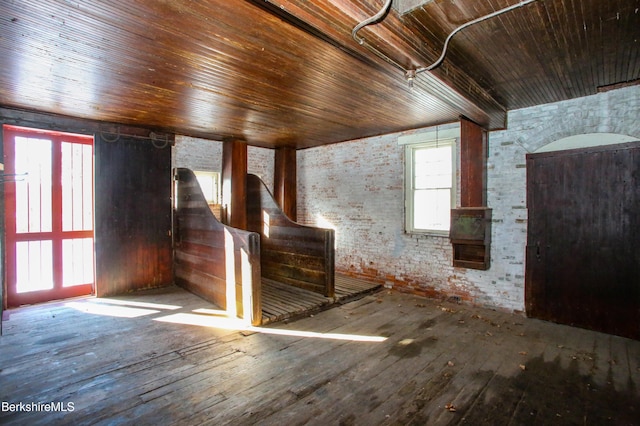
(470, 231)
(285, 185)
(473, 164)
(234, 183)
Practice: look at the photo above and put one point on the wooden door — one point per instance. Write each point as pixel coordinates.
(132, 214)
(583, 242)
(49, 215)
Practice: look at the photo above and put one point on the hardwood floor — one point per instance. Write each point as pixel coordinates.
(168, 357)
(282, 301)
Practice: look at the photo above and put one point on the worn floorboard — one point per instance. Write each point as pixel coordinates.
(168, 357)
(281, 301)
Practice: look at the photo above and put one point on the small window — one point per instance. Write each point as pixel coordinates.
(430, 186)
(210, 185)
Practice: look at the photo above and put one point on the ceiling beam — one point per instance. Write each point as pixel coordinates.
(333, 20)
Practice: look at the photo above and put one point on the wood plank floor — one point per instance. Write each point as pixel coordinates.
(168, 357)
(281, 301)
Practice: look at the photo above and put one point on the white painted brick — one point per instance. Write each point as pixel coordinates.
(206, 155)
(357, 186)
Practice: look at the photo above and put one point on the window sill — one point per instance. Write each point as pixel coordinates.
(422, 234)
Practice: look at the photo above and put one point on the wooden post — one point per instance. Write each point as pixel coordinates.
(285, 185)
(473, 164)
(470, 231)
(234, 183)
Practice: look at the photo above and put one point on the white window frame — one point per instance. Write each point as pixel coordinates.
(214, 197)
(410, 149)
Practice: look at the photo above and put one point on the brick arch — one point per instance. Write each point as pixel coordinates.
(585, 140)
(576, 123)
(555, 135)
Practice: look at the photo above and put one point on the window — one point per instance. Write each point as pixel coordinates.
(430, 192)
(210, 185)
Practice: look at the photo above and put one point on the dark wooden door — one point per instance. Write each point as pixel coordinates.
(583, 242)
(133, 214)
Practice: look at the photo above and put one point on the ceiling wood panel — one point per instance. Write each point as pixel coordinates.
(288, 73)
(544, 52)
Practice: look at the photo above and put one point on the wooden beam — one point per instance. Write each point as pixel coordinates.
(472, 251)
(473, 164)
(234, 183)
(285, 185)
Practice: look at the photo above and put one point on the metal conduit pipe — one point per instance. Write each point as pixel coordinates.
(439, 61)
(372, 20)
(375, 18)
(410, 74)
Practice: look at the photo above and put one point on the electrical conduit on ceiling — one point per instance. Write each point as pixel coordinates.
(410, 74)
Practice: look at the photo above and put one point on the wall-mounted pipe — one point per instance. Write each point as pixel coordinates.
(410, 74)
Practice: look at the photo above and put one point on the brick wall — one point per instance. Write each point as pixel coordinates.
(206, 155)
(261, 163)
(357, 188)
(197, 154)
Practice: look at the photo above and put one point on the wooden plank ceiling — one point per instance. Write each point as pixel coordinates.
(288, 72)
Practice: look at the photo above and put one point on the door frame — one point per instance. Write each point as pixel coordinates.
(57, 234)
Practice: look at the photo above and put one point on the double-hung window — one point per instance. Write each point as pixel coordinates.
(430, 191)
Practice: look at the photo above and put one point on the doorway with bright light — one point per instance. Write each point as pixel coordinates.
(49, 201)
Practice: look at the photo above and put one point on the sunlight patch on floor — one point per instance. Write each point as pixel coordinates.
(217, 321)
(110, 310)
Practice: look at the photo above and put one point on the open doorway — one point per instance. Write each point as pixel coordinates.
(49, 201)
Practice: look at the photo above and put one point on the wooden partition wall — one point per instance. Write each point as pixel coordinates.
(217, 262)
(291, 253)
